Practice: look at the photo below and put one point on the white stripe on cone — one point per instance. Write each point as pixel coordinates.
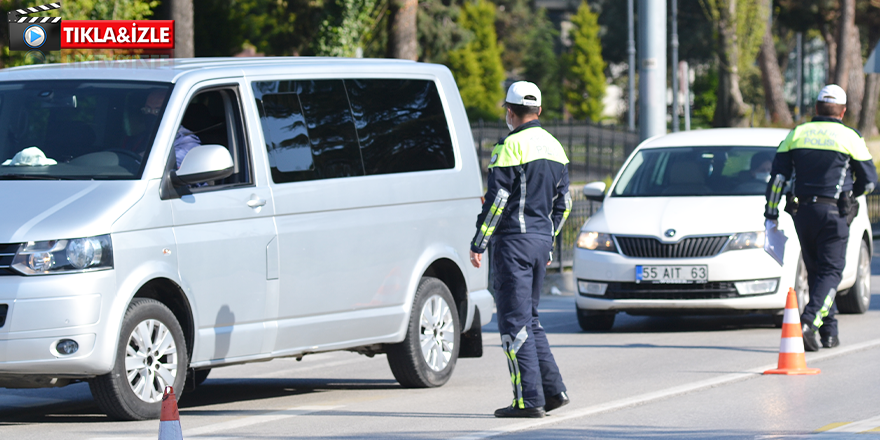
(170, 430)
(791, 317)
(791, 345)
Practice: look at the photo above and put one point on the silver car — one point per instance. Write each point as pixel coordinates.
(167, 217)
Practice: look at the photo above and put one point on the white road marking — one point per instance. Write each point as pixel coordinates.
(860, 426)
(661, 394)
(241, 422)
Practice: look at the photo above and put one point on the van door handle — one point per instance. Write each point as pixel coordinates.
(255, 203)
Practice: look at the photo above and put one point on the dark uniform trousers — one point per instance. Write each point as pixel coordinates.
(823, 234)
(519, 262)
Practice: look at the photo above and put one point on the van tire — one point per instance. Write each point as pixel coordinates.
(407, 359)
(858, 298)
(113, 392)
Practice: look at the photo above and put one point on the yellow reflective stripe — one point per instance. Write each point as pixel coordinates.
(828, 136)
(826, 308)
(526, 146)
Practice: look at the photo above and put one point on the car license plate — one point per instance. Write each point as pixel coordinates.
(672, 274)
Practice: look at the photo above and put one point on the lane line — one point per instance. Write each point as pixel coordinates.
(661, 394)
(241, 422)
(860, 426)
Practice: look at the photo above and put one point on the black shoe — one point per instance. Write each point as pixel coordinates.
(811, 339)
(830, 341)
(556, 401)
(531, 413)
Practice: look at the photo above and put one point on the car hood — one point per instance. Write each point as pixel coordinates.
(688, 216)
(50, 210)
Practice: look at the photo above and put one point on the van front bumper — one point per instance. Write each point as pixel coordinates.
(44, 310)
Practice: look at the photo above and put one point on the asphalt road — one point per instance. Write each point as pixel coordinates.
(650, 377)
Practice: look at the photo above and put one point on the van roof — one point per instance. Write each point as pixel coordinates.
(720, 137)
(171, 69)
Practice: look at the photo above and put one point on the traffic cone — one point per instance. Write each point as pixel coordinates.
(169, 422)
(792, 359)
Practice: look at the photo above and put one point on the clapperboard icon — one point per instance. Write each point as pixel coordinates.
(29, 33)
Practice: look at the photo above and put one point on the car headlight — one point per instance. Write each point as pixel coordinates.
(596, 241)
(64, 256)
(746, 240)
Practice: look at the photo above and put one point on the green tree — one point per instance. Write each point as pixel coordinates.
(342, 28)
(479, 61)
(439, 31)
(514, 22)
(541, 67)
(585, 75)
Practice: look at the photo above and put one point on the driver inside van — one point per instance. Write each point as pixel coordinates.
(184, 140)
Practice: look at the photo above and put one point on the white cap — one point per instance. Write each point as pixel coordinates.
(524, 93)
(832, 93)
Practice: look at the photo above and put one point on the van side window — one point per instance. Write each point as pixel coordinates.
(337, 128)
(213, 117)
(401, 125)
(309, 130)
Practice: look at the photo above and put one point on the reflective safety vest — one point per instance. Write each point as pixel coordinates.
(824, 158)
(527, 189)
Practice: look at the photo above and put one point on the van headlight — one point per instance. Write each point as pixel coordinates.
(746, 240)
(64, 256)
(596, 241)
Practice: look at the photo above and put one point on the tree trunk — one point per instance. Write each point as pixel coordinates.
(402, 36)
(855, 88)
(730, 111)
(182, 14)
(830, 51)
(771, 77)
(867, 121)
(846, 28)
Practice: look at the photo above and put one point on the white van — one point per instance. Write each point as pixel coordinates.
(167, 217)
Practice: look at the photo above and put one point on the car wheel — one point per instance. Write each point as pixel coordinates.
(427, 355)
(802, 285)
(858, 299)
(151, 355)
(595, 320)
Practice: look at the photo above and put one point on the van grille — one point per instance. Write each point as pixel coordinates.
(3, 309)
(7, 253)
(692, 247)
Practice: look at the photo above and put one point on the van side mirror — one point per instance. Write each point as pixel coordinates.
(203, 164)
(595, 191)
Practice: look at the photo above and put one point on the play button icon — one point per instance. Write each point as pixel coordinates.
(34, 36)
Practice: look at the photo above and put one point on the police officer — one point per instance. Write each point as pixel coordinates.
(526, 205)
(822, 157)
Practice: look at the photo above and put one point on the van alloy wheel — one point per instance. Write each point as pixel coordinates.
(150, 360)
(150, 354)
(427, 355)
(437, 337)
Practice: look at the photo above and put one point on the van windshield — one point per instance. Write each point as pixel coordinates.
(78, 129)
(696, 171)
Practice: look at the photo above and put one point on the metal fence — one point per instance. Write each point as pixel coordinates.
(595, 151)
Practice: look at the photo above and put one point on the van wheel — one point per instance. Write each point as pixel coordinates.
(858, 299)
(595, 320)
(151, 355)
(427, 356)
(801, 285)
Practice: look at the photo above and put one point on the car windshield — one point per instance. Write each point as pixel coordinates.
(78, 130)
(696, 171)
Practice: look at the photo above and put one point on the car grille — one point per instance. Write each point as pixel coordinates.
(3, 309)
(7, 253)
(645, 247)
(712, 290)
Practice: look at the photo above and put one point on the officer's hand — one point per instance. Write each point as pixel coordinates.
(476, 259)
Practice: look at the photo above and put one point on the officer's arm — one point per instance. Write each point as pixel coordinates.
(562, 204)
(500, 179)
(863, 169)
(780, 172)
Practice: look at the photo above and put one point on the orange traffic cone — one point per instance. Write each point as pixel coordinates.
(791, 350)
(169, 422)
